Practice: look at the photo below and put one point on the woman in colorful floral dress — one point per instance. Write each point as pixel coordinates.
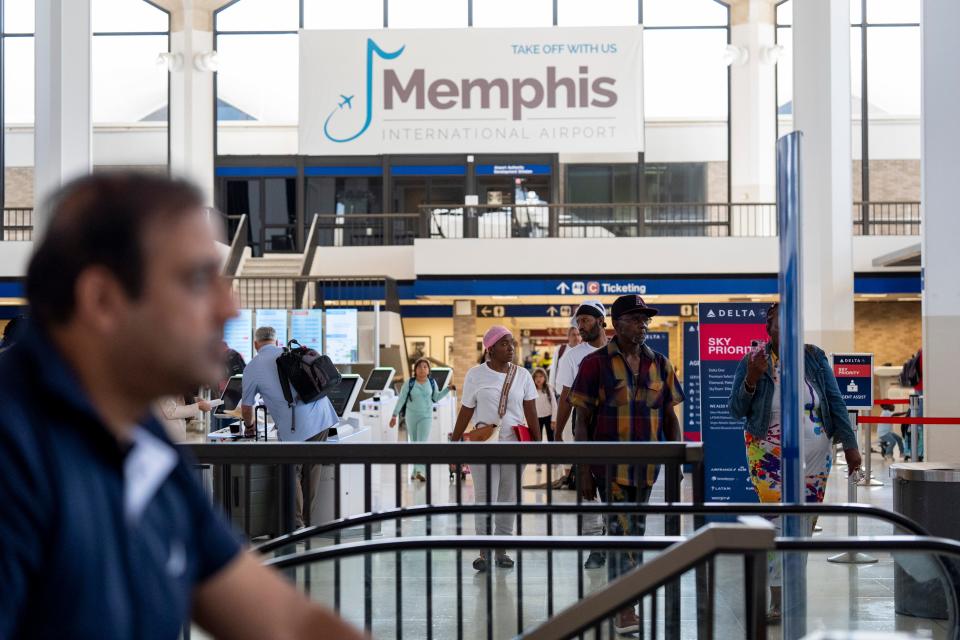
(756, 400)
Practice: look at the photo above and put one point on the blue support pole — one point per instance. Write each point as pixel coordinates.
(791, 385)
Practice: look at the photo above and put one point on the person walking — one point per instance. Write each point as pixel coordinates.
(499, 397)
(546, 404)
(755, 399)
(573, 339)
(625, 392)
(590, 318)
(416, 404)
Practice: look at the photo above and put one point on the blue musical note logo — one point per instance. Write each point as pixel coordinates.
(346, 102)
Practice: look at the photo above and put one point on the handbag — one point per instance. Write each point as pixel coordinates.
(483, 432)
(523, 433)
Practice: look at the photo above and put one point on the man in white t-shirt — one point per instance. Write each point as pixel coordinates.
(593, 330)
(573, 339)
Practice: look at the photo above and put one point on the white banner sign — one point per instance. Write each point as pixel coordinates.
(541, 90)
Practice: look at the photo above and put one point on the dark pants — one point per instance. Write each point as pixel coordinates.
(623, 524)
(545, 427)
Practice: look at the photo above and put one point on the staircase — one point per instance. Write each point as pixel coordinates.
(277, 265)
(269, 282)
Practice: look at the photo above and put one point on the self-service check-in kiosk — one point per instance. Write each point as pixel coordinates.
(444, 419)
(349, 429)
(377, 411)
(445, 411)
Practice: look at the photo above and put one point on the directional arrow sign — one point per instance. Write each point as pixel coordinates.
(551, 311)
(485, 312)
(563, 288)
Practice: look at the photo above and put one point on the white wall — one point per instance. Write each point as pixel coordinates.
(14, 257)
(395, 262)
(537, 256)
(666, 141)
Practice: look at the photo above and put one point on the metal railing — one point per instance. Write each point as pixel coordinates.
(314, 292)
(886, 218)
(603, 220)
(368, 229)
(753, 539)
(678, 219)
(366, 456)
(16, 224)
(238, 242)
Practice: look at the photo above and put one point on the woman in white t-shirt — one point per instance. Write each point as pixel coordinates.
(482, 390)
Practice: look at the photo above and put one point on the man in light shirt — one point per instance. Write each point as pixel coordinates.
(304, 422)
(590, 319)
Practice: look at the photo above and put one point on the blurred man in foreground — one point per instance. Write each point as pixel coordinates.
(104, 532)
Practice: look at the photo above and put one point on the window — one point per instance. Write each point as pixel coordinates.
(412, 14)
(129, 82)
(258, 84)
(511, 13)
(124, 16)
(676, 182)
(684, 73)
(18, 16)
(602, 183)
(336, 14)
(577, 13)
(684, 13)
(260, 15)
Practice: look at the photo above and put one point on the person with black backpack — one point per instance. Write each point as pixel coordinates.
(416, 405)
(299, 408)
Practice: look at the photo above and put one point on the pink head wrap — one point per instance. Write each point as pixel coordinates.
(494, 334)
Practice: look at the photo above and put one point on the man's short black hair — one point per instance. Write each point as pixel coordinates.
(99, 220)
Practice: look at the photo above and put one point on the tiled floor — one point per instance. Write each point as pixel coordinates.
(854, 597)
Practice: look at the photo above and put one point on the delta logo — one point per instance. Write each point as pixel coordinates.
(424, 92)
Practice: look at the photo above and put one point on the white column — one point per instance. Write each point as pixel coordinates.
(821, 103)
(940, 166)
(752, 95)
(192, 119)
(63, 110)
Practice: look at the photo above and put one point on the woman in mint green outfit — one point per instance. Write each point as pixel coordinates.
(418, 395)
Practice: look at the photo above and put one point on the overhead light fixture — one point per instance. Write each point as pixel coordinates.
(873, 295)
(504, 297)
(908, 299)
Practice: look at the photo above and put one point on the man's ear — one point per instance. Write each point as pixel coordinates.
(99, 300)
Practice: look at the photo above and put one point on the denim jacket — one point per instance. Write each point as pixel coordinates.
(755, 408)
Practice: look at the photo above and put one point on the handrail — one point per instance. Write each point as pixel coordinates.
(681, 508)
(757, 536)
(598, 453)
(310, 247)
(237, 246)
(684, 555)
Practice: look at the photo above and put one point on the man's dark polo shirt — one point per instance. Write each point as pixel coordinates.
(96, 540)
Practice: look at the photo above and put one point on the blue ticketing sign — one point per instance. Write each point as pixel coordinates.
(854, 373)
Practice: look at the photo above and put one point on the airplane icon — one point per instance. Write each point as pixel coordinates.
(347, 101)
